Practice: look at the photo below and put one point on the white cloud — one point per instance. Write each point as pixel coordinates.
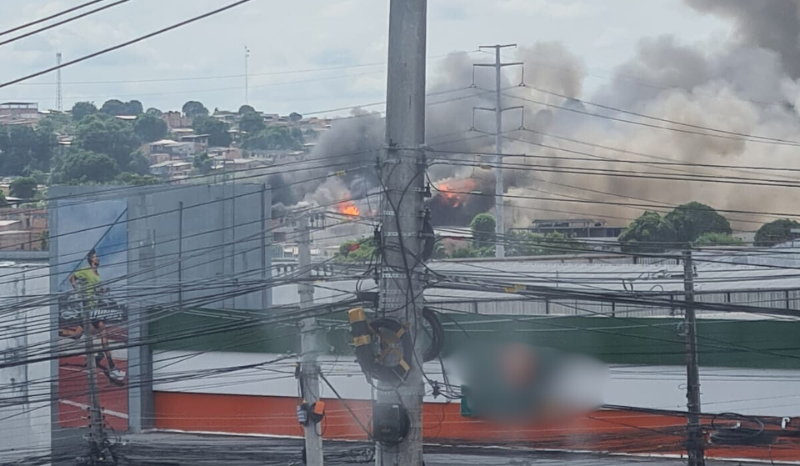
(553, 8)
(286, 36)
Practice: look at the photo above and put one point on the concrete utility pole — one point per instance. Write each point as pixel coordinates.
(499, 188)
(694, 444)
(402, 173)
(309, 367)
(96, 433)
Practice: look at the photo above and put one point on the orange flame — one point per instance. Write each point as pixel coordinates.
(454, 192)
(348, 208)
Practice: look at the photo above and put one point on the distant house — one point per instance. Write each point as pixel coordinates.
(238, 164)
(576, 228)
(172, 169)
(275, 156)
(226, 117)
(19, 113)
(227, 153)
(173, 149)
(22, 229)
(176, 120)
(199, 142)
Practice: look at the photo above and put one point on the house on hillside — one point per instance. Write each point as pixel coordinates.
(172, 170)
(173, 150)
(176, 120)
(19, 113)
(199, 142)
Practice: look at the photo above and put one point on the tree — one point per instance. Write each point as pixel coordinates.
(692, 220)
(777, 232)
(471, 252)
(155, 112)
(150, 127)
(274, 138)
(82, 109)
(24, 149)
(294, 117)
(3, 201)
(113, 107)
(194, 109)
(103, 134)
(251, 123)
(134, 108)
(364, 250)
(717, 239)
(116, 107)
(136, 180)
(522, 243)
(245, 109)
(203, 163)
(216, 130)
(56, 123)
(483, 230)
(648, 233)
(23, 187)
(44, 239)
(81, 166)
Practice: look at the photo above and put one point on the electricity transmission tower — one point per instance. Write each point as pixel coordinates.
(59, 96)
(499, 191)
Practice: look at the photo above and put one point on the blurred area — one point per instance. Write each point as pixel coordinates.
(520, 383)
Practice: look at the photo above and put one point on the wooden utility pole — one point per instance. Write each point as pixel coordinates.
(402, 172)
(695, 443)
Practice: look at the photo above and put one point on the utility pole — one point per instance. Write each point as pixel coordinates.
(59, 96)
(246, 75)
(309, 342)
(499, 188)
(694, 444)
(96, 433)
(402, 210)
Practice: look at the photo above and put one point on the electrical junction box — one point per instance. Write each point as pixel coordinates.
(390, 423)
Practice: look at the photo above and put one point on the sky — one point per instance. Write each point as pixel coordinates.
(310, 56)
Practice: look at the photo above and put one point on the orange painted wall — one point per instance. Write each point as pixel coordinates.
(605, 430)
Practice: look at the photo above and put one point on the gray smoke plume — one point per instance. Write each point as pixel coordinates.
(748, 86)
(768, 24)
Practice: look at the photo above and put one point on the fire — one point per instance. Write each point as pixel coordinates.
(348, 208)
(454, 192)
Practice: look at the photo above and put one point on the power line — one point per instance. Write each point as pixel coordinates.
(663, 120)
(233, 76)
(62, 22)
(738, 137)
(125, 44)
(48, 18)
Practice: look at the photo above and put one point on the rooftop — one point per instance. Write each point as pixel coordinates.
(168, 163)
(181, 449)
(30, 105)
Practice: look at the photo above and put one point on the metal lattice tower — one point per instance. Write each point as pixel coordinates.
(59, 95)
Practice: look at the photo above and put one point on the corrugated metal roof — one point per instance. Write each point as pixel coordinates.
(624, 277)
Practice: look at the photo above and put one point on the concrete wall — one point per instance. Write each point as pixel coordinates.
(189, 245)
(24, 391)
